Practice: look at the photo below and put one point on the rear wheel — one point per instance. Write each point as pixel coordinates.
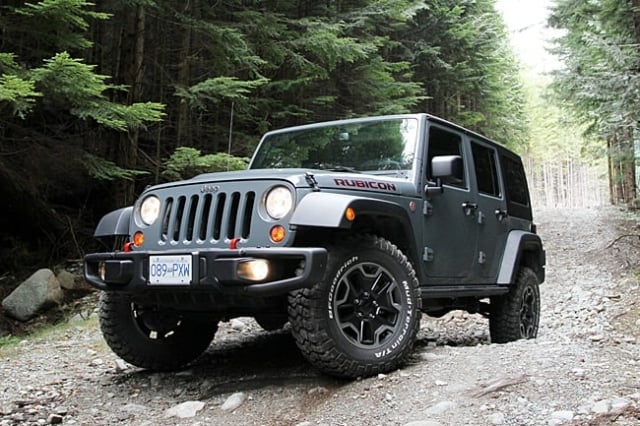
(516, 315)
(363, 318)
(157, 339)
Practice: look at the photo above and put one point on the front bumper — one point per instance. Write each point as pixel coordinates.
(214, 270)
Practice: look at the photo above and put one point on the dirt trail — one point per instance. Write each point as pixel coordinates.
(584, 368)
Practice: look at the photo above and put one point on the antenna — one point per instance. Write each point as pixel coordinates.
(230, 134)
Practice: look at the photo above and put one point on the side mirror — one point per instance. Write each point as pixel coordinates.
(444, 168)
(447, 167)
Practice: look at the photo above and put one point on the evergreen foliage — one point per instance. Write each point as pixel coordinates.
(187, 162)
(601, 79)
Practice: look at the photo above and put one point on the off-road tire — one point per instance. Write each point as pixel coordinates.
(362, 319)
(516, 315)
(155, 340)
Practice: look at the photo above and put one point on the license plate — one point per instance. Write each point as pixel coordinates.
(170, 269)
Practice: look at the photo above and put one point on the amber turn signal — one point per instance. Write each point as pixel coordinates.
(138, 239)
(277, 233)
(350, 214)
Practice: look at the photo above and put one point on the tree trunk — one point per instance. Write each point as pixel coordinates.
(132, 66)
(184, 80)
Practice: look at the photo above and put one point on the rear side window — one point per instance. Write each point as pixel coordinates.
(484, 160)
(516, 187)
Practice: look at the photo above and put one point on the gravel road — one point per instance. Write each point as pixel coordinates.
(584, 368)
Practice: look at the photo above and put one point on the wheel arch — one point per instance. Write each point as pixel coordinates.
(522, 249)
(322, 212)
(115, 223)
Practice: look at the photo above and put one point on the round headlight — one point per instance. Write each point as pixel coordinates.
(150, 209)
(278, 202)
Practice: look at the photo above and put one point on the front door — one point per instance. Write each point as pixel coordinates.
(451, 228)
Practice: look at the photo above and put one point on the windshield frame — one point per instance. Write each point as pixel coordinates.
(409, 140)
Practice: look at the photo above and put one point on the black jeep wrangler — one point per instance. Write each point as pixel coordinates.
(348, 230)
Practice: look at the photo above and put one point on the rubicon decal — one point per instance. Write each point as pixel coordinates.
(366, 184)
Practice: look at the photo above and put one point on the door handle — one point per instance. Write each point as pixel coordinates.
(469, 207)
(500, 214)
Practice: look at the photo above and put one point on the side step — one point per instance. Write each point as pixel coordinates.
(455, 291)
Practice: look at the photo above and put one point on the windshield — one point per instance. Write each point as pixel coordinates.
(381, 146)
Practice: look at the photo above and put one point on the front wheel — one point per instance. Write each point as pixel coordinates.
(516, 315)
(153, 338)
(362, 319)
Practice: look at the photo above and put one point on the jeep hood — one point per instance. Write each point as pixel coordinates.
(299, 178)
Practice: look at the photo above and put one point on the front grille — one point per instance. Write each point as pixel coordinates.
(207, 217)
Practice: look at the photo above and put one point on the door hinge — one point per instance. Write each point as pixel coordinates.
(482, 258)
(427, 208)
(427, 256)
(480, 218)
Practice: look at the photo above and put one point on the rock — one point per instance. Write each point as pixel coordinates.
(39, 292)
(320, 390)
(96, 362)
(601, 407)
(620, 404)
(54, 419)
(423, 423)
(67, 280)
(185, 410)
(496, 418)
(73, 282)
(121, 365)
(429, 356)
(134, 408)
(441, 408)
(234, 401)
(237, 324)
(560, 417)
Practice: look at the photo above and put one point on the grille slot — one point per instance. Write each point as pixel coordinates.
(208, 217)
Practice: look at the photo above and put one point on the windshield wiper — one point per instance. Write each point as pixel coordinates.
(342, 169)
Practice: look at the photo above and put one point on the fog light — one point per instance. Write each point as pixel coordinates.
(277, 233)
(102, 271)
(254, 270)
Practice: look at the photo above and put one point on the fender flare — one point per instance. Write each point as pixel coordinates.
(115, 223)
(517, 244)
(322, 209)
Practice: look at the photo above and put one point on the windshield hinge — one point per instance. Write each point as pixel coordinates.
(427, 254)
(311, 180)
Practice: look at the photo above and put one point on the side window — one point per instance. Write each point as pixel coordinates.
(484, 160)
(443, 142)
(516, 187)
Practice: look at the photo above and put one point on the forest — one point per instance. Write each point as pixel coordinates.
(100, 99)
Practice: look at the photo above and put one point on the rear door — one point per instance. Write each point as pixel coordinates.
(492, 219)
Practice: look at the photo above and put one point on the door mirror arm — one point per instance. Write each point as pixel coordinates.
(434, 188)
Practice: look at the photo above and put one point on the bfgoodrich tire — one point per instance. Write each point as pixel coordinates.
(516, 315)
(362, 319)
(151, 338)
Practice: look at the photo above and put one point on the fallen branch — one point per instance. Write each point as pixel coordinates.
(619, 238)
(497, 385)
